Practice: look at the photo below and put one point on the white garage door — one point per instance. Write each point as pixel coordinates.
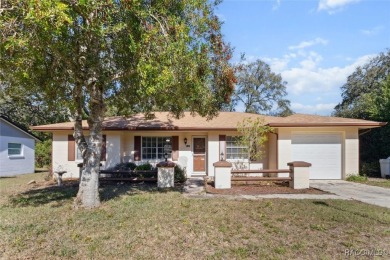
(322, 150)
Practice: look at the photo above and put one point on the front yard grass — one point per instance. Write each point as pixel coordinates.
(144, 223)
(379, 182)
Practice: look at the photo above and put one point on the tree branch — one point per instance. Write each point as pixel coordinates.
(2, 9)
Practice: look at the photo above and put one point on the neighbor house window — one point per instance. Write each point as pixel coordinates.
(14, 149)
(156, 147)
(234, 150)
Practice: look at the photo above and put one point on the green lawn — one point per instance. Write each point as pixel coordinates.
(379, 182)
(143, 223)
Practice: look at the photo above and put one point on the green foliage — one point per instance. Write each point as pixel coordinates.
(118, 56)
(357, 178)
(366, 79)
(371, 169)
(379, 108)
(253, 135)
(43, 153)
(260, 90)
(128, 166)
(140, 56)
(179, 174)
(28, 109)
(144, 167)
(366, 95)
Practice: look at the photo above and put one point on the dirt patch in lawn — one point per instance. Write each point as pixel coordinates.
(258, 188)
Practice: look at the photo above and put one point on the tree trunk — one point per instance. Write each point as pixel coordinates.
(88, 194)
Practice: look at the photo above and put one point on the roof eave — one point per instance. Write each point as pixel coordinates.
(368, 124)
(47, 129)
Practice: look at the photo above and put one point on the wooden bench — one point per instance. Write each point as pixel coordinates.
(258, 178)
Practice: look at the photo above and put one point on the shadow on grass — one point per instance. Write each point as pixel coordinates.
(60, 195)
(111, 190)
(321, 203)
(42, 196)
(41, 170)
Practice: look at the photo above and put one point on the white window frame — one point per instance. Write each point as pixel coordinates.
(19, 155)
(229, 146)
(155, 148)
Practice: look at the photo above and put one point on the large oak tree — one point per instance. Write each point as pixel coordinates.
(366, 95)
(260, 90)
(134, 55)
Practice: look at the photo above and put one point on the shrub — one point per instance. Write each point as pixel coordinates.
(371, 169)
(128, 166)
(358, 178)
(179, 174)
(43, 154)
(144, 167)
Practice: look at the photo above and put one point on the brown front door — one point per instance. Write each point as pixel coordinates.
(199, 149)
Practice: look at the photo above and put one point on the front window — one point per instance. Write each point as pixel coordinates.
(14, 149)
(155, 147)
(234, 150)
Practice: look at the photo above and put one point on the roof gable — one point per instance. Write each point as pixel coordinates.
(19, 127)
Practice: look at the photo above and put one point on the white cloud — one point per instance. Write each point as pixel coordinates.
(308, 78)
(372, 31)
(306, 44)
(322, 109)
(311, 60)
(333, 6)
(312, 88)
(277, 64)
(276, 5)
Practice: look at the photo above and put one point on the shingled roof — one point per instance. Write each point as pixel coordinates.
(299, 120)
(224, 121)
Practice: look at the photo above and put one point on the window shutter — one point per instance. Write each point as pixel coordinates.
(137, 148)
(71, 148)
(103, 154)
(175, 148)
(222, 146)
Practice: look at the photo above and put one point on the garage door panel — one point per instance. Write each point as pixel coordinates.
(322, 150)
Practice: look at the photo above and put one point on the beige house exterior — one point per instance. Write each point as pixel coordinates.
(330, 144)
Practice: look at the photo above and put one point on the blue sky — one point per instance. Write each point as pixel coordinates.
(313, 44)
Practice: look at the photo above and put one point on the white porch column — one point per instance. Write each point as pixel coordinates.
(300, 174)
(166, 174)
(222, 175)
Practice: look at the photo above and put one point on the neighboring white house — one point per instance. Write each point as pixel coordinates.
(330, 144)
(17, 149)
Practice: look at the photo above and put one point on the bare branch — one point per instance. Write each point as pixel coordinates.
(161, 25)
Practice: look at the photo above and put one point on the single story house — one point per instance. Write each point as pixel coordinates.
(17, 149)
(330, 144)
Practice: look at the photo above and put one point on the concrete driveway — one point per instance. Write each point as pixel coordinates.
(349, 190)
